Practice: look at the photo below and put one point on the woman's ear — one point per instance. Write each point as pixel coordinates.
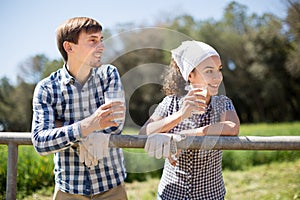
(191, 76)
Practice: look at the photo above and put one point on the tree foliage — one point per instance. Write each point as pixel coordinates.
(31, 70)
(260, 56)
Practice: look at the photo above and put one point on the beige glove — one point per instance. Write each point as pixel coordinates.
(85, 157)
(162, 145)
(94, 148)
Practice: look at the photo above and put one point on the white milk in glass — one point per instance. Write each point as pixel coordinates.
(113, 96)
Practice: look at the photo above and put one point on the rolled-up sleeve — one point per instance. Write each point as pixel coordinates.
(47, 138)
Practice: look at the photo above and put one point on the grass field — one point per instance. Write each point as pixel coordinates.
(277, 181)
(271, 129)
(267, 182)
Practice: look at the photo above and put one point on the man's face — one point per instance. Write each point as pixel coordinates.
(88, 51)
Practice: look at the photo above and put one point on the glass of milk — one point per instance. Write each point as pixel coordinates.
(114, 96)
(202, 92)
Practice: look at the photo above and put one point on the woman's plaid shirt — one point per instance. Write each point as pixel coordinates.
(60, 97)
(198, 173)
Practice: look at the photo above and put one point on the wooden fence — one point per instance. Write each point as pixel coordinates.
(13, 139)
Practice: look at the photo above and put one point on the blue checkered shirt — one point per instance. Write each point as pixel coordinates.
(61, 97)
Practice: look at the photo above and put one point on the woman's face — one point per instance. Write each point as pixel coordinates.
(209, 73)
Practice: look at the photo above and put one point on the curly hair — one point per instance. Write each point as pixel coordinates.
(173, 83)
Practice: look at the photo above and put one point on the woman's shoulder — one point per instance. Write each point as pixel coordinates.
(105, 69)
(170, 98)
(222, 102)
(220, 98)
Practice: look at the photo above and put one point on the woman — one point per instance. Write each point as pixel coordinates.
(192, 174)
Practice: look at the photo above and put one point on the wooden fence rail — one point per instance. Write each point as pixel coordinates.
(13, 139)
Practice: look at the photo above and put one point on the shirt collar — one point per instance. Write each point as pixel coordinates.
(67, 78)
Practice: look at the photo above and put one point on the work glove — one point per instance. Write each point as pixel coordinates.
(94, 148)
(162, 145)
(85, 158)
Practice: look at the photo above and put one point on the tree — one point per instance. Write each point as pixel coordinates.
(293, 21)
(254, 51)
(51, 66)
(293, 62)
(260, 57)
(16, 101)
(15, 106)
(6, 103)
(32, 69)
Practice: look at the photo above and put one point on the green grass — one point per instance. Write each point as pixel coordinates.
(271, 129)
(34, 172)
(240, 160)
(277, 181)
(266, 182)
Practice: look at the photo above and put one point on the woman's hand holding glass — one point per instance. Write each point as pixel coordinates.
(200, 92)
(194, 102)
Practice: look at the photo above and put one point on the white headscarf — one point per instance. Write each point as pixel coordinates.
(190, 54)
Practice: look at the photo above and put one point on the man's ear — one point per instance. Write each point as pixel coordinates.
(67, 46)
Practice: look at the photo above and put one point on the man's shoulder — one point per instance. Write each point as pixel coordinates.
(53, 78)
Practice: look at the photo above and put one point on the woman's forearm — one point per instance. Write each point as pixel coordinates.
(163, 125)
(228, 128)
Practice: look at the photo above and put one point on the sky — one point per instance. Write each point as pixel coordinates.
(28, 26)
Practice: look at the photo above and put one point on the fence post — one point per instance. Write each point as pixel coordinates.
(12, 171)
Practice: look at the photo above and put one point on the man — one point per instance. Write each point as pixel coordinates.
(71, 119)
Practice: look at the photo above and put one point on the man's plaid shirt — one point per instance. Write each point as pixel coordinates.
(60, 97)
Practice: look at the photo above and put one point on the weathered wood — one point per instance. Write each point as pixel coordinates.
(217, 142)
(12, 171)
(207, 142)
(243, 143)
(23, 138)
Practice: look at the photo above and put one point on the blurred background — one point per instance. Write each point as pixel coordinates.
(258, 42)
(259, 49)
